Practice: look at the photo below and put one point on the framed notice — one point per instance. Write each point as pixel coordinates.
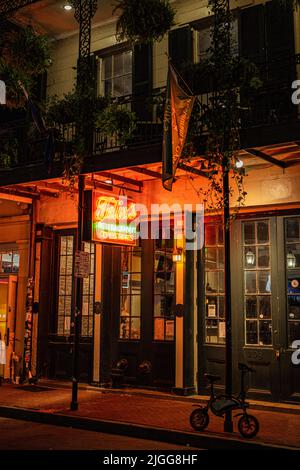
(211, 310)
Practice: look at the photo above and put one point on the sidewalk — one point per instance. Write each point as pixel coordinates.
(136, 412)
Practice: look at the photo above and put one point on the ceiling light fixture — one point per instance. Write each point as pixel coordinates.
(239, 163)
(68, 7)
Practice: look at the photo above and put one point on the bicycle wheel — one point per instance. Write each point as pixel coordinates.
(248, 426)
(199, 419)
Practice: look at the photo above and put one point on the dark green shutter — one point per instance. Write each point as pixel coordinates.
(181, 47)
(252, 29)
(142, 80)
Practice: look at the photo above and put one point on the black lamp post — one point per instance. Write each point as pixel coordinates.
(84, 12)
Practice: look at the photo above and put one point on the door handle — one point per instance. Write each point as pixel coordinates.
(278, 353)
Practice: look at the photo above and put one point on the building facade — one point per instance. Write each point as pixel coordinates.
(156, 305)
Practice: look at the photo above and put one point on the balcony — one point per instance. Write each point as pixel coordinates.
(270, 119)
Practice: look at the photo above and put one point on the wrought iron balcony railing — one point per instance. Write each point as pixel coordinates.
(272, 106)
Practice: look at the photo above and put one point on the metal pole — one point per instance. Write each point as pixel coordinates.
(78, 294)
(84, 12)
(228, 425)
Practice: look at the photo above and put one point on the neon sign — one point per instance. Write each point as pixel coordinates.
(114, 220)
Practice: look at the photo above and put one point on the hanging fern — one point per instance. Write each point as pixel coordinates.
(144, 21)
(24, 55)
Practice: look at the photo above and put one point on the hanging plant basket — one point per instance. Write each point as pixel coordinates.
(144, 21)
(24, 55)
(118, 121)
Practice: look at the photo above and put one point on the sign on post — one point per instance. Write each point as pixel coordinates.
(82, 264)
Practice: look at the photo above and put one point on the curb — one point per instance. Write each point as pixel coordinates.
(192, 399)
(201, 440)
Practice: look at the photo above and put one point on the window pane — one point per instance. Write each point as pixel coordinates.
(264, 282)
(265, 333)
(264, 307)
(128, 62)
(294, 307)
(118, 86)
(249, 233)
(263, 257)
(292, 230)
(118, 65)
(210, 235)
(159, 329)
(124, 328)
(107, 67)
(251, 332)
(250, 281)
(135, 328)
(293, 256)
(212, 279)
(135, 305)
(108, 88)
(211, 258)
(251, 307)
(250, 257)
(262, 232)
(293, 331)
(127, 85)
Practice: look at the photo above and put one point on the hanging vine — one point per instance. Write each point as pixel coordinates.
(219, 120)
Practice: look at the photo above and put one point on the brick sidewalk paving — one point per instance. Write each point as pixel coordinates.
(164, 412)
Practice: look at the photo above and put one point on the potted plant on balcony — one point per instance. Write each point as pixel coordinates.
(144, 21)
(117, 122)
(24, 55)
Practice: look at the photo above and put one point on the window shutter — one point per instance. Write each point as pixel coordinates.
(142, 80)
(142, 69)
(181, 46)
(279, 31)
(253, 34)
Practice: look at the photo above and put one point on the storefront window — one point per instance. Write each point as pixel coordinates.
(257, 283)
(214, 284)
(87, 319)
(9, 261)
(292, 239)
(164, 290)
(130, 314)
(65, 288)
(65, 284)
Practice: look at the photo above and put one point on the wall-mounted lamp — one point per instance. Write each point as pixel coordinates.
(177, 255)
(239, 163)
(291, 260)
(250, 258)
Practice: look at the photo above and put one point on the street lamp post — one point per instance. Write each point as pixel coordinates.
(84, 12)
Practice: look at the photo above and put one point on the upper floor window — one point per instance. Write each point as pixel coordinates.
(116, 74)
(204, 40)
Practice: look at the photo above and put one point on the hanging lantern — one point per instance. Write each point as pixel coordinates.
(291, 260)
(177, 255)
(250, 258)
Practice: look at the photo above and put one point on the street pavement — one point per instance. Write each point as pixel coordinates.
(167, 415)
(21, 435)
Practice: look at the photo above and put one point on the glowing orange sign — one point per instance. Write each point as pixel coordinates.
(114, 219)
